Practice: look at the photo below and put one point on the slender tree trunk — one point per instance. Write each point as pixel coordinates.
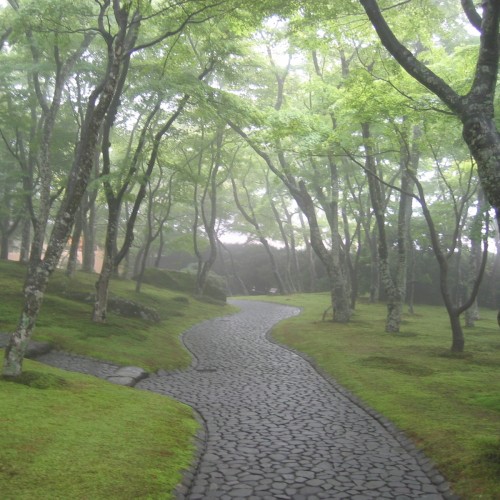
(160, 250)
(225, 273)
(472, 313)
(40, 270)
(274, 266)
(393, 292)
(295, 265)
(311, 286)
(99, 312)
(289, 286)
(75, 244)
(340, 300)
(152, 234)
(108, 265)
(338, 272)
(495, 272)
(249, 216)
(88, 248)
(411, 287)
(25, 240)
(89, 224)
(4, 246)
(453, 310)
(374, 268)
(234, 271)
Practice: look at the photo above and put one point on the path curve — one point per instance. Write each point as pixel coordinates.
(276, 429)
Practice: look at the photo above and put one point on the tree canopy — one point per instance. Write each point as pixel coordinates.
(365, 132)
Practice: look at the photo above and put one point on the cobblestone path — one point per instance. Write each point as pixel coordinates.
(276, 429)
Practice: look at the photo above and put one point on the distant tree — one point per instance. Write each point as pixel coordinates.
(247, 210)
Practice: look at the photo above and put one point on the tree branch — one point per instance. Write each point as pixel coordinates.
(409, 62)
(472, 14)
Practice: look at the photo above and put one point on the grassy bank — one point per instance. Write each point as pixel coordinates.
(67, 323)
(66, 435)
(450, 406)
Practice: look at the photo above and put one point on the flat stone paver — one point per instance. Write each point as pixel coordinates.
(276, 429)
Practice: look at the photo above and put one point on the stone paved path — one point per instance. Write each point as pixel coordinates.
(273, 427)
(276, 429)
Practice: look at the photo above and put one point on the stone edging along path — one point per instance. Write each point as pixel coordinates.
(273, 426)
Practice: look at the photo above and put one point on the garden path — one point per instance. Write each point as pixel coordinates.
(272, 426)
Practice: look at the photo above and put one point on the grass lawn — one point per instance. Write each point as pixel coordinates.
(73, 436)
(66, 435)
(450, 406)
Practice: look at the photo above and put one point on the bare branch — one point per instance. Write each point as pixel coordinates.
(189, 20)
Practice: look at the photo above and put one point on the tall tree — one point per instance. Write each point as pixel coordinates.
(453, 309)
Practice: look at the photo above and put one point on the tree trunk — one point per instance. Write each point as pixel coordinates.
(4, 246)
(25, 240)
(472, 313)
(34, 290)
(374, 268)
(274, 267)
(88, 224)
(75, 244)
(340, 299)
(411, 287)
(337, 268)
(295, 270)
(392, 290)
(88, 248)
(108, 265)
(40, 270)
(234, 271)
(249, 216)
(457, 334)
(99, 312)
(311, 287)
(289, 287)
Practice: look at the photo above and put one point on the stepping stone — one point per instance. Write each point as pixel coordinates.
(127, 375)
